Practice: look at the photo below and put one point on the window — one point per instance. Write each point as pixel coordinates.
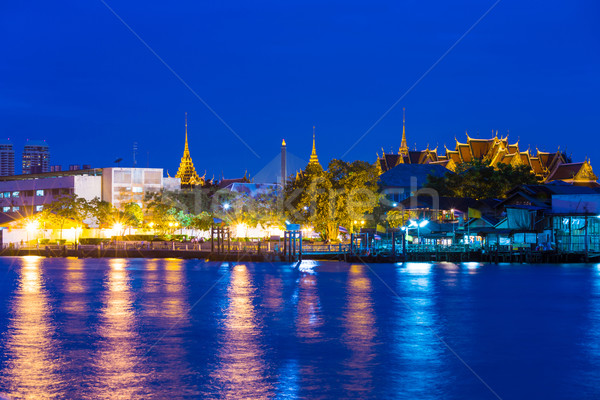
(7, 195)
(39, 192)
(39, 208)
(122, 177)
(15, 194)
(137, 189)
(152, 177)
(15, 209)
(1, 195)
(5, 209)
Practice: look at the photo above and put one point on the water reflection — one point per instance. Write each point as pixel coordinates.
(118, 358)
(359, 335)
(74, 302)
(309, 319)
(32, 370)
(167, 311)
(419, 352)
(241, 373)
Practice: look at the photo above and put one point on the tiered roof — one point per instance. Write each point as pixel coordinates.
(547, 166)
(187, 172)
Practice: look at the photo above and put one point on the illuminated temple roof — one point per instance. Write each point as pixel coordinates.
(187, 172)
(547, 166)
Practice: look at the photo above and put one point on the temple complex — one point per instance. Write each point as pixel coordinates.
(187, 172)
(547, 166)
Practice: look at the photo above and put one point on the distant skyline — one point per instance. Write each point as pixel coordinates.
(75, 75)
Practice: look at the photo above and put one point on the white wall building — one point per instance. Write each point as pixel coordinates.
(124, 185)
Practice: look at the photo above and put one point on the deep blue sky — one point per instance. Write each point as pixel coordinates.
(73, 74)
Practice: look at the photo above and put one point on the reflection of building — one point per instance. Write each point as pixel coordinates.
(36, 157)
(7, 158)
(187, 172)
(546, 166)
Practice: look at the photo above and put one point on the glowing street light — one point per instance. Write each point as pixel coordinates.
(226, 206)
(31, 227)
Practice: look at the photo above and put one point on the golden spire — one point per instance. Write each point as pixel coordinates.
(313, 156)
(403, 146)
(187, 172)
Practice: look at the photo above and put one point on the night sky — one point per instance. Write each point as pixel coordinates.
(73, 74)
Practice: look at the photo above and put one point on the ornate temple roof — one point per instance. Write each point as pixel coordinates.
(547, 166)
(187, 172)
(313, 155)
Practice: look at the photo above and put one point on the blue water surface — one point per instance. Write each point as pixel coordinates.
(143, 329)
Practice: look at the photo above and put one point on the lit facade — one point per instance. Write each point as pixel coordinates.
(7, 159)
(28, 196)
(186, 172)
(36, 157)
(125, 185)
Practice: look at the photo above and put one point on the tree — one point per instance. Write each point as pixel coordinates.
(479, 180)
(67, 208)
(397, 218)
(338, 196)
(102, 212)
(160, 211)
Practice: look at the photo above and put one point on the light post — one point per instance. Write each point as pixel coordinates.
(31, 227)
(418, 225)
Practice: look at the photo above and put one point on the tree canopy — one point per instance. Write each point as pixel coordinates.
(479, 180)
(346, 192)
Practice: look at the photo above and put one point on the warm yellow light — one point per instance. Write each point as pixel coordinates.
(170, 224)
(117, 227)
(362, 222)
(151, 224)
(31, 226)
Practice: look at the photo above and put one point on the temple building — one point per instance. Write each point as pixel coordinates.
(313, 155)
(187, 172)
(547, 166)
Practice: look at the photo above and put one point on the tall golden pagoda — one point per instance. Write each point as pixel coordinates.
(313, 156)
(403, 146)
(187, 172)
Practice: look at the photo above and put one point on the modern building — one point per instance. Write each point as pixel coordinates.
(7, 158)
(36, 157)
(29, 194)
(25, 195)
(125, 185)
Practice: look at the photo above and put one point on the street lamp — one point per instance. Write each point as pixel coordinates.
(417, 224)
(31, 227)
(226, 206)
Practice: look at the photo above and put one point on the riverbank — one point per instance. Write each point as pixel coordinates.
(271, 256)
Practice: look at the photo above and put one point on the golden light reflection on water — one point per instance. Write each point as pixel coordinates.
(241, 373)
(309, 320)
(166, 310)
(359, 334)
(74, 301)
(32, 372)
(273, 289)
(116, 363)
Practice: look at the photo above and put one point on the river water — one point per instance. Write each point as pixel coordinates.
(141, 329)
